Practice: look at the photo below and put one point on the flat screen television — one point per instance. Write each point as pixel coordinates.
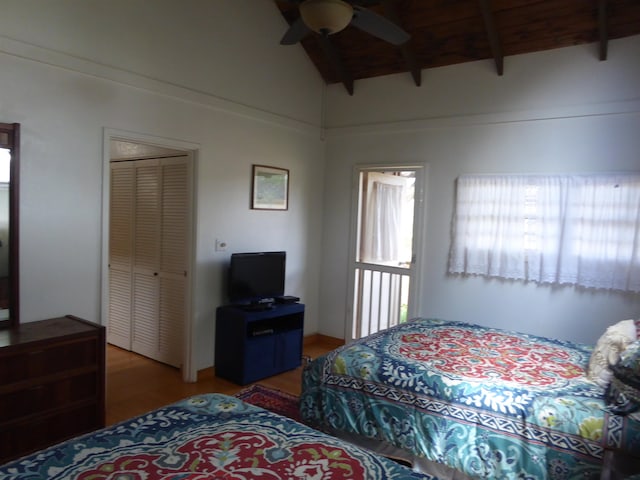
(256, 277)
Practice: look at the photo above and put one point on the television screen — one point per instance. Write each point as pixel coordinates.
(254, 277)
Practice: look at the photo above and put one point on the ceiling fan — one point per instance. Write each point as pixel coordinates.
(327, 17)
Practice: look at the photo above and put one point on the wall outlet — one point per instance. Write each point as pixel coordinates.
(221, 245)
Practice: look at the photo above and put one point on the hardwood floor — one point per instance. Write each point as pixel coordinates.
(136, 384)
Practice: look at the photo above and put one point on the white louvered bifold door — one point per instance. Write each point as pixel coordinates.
(120, 253)
(174, 254)
(146, 260)
(162, 229)
(159, 271)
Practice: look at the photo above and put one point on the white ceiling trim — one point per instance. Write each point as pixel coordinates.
(630, 107)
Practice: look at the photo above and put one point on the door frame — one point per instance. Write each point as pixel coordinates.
(419, 224)
(189, 362)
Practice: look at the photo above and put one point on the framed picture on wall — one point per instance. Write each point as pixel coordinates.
(270, 188)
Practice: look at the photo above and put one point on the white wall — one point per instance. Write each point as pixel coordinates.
(226, 49)
(69, 69)
(159, 69)
(555, 111)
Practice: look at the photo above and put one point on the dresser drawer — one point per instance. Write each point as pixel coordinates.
(48, 396)
(52, 383)
(47, 360)
(20, 439)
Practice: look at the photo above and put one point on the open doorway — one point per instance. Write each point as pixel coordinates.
(148, 253)
(387, 212)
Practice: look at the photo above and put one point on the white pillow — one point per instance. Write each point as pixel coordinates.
(608, 349)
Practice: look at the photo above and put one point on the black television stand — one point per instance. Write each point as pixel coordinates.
(254, 344)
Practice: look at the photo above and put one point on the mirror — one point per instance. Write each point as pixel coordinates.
(9, 286)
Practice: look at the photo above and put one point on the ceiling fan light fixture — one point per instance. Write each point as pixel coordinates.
(326, 16)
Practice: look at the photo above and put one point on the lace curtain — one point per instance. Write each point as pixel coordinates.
(383, 224)
(581, 230)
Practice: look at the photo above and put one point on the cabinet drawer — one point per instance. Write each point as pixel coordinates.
(48, 396)
(47, 360)
(26, 437)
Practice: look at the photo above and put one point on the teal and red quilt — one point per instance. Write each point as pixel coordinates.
(490, 403)
(210, 437)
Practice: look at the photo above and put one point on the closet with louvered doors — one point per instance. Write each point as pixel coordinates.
(149, 240)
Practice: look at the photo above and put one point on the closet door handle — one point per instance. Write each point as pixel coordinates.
(155, 274)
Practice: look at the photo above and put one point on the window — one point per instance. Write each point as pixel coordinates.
(581, 229)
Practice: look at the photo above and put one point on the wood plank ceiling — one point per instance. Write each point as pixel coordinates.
(447, 32)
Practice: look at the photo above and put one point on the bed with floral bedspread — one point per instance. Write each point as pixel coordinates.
(489, 403)
(209, 436)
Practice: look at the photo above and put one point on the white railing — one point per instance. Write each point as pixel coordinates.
(381, 295)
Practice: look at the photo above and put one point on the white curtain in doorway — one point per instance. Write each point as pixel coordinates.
(383, 223)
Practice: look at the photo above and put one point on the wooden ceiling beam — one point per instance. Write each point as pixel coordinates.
(602, 28)
(406, 51)
(492, 33)
(336, 62)
(452, 32)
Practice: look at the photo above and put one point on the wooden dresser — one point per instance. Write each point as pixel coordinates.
(52, 383)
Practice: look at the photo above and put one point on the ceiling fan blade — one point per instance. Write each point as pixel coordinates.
(378, 26)
(297, 31)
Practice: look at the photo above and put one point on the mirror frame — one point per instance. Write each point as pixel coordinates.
(10, 139)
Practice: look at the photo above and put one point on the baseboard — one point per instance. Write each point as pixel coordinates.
(318, 338)
(206, 373)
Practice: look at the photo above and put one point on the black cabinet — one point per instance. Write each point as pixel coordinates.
(254, 344)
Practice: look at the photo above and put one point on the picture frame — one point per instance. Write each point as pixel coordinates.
(269, 188)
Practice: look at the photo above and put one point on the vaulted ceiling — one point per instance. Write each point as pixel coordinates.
(447, 32)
